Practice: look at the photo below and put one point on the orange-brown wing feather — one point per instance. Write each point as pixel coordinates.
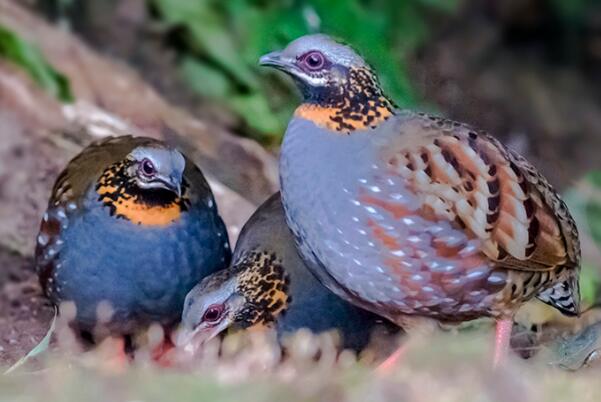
(470, 178)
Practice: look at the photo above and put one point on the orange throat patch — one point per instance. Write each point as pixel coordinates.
(341, 119)
(148, 215)
(130, 207)
(356, 103)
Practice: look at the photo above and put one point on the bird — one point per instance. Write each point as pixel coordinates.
(268, 286)
(418, 218)
(131, 226)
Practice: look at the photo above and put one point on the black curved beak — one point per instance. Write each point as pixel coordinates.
(173, 184)
(176, 188)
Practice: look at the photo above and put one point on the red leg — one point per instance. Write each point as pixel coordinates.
(162, 353)
(502, 338)
(391, 361)
(416, 328)
(113, 355)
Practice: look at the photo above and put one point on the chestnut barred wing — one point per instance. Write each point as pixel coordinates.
(494, 197)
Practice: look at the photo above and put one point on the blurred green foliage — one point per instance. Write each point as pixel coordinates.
(572, 11)
(584, 200)
(28, 57)
(221, 42)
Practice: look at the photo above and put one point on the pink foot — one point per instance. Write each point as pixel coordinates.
(113, 356)
(392, 361)
(502, 338)
(162, 355)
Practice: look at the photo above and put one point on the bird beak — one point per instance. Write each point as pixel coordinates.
(190, 340)
(274, 59)
(176, 187)
(173, 184)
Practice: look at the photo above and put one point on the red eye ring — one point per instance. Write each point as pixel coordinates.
(213, 313)
(147, 168)
(314, 60)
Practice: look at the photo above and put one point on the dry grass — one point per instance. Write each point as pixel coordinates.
(444, 368)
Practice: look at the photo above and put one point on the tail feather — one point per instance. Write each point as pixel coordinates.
(564, 296)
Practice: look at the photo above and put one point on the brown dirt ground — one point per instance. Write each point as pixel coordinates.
(25, 314)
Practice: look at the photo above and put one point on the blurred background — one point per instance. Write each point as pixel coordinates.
(527, 71)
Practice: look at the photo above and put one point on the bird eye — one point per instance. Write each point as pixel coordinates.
(147, 168)
(213, 313)
(314, 60)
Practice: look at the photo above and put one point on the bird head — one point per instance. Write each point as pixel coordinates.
(156, 168)
(316, 62)
(334, 77)
(210, 307)
(252, 292)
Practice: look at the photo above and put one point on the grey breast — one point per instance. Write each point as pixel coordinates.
(320, 172)
(327, 180)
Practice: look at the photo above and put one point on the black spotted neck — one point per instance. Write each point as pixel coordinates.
(125, 200)
(264, 284)
(359, 104)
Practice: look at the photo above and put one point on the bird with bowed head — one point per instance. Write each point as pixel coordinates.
(268, 285)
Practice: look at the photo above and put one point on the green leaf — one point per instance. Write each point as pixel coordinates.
(204, 79)
(208, 34)
(590, 282)
(591, 189)
(217, 44)
(584, 201)
(38, 349)
(571, 11)
(28, 57)
(180, 11)
(593, 213)
(594, 178)
(225, 40)
(442, 5)
(256, 111)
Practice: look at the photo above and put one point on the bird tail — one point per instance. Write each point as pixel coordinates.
(564, 296)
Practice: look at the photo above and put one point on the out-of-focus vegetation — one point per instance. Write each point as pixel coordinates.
(221, 41)
(218, 42)
(572, 12)
(584, 201)
(29, 58)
